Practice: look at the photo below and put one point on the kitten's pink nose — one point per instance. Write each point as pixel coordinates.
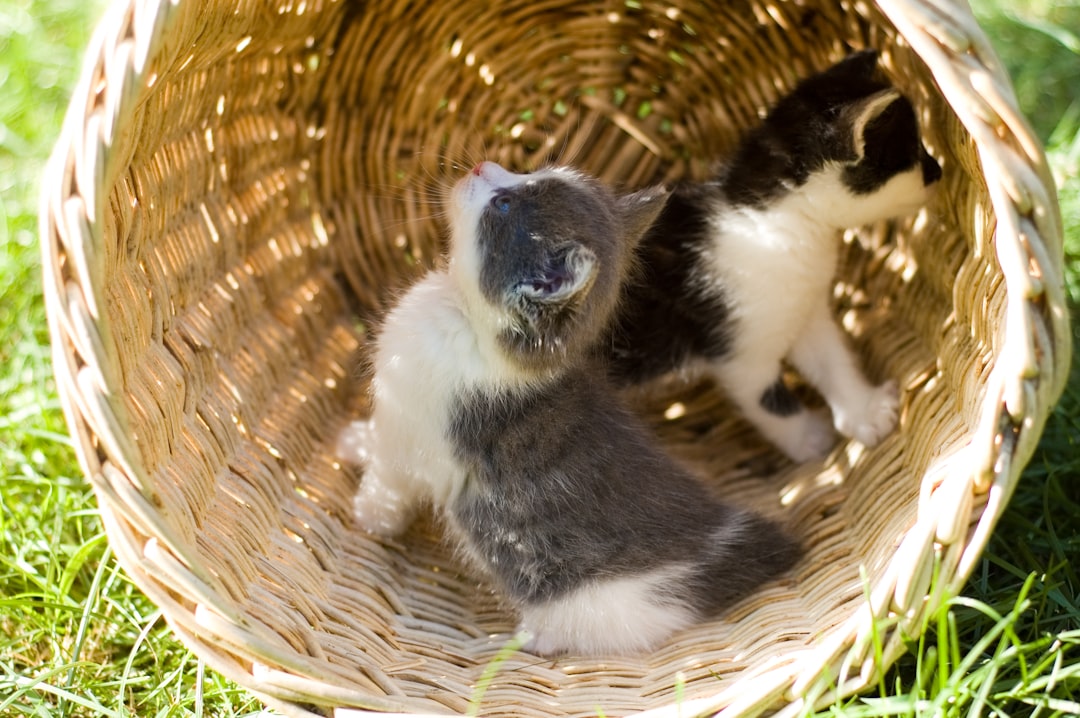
(486, 167)
(493, 174)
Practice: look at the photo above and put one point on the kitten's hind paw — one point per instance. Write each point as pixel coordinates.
(811, 437)
(875, 419)
(545, 641)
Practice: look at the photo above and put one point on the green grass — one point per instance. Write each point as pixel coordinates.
(77, 638)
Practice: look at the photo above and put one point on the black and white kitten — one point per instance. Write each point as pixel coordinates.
(737, 271)
(491, 401)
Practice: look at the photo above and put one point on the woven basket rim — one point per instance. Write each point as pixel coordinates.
(128, 47)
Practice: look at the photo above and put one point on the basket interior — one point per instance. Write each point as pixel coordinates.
(283, 183)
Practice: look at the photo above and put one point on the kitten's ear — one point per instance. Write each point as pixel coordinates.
(639, 210)
(861, 64)
(564, 277)
(865, 111)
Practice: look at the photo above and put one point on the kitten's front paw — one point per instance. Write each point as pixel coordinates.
(875, 419)
(380, 510)
(352, 442)
(813, 438)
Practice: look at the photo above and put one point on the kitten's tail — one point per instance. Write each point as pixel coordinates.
(744, 551)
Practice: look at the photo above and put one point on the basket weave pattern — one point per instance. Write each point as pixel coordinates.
(241, 188)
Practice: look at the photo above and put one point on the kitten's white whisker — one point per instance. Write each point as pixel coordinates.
(579, 110)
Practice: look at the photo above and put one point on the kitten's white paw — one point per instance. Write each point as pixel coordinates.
(874, 419)
(810, 437)
(352, 442)
(539, 644)
(804, 436)
(380, 510)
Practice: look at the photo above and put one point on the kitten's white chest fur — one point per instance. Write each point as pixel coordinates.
(780, 261)
(426, 354)
(775, 263)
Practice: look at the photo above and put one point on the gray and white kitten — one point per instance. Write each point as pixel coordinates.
(492, 402)
(737, 272)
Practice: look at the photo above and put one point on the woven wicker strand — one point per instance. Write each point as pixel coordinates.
(241, 188)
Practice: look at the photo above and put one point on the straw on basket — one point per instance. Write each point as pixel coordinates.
(240, 187)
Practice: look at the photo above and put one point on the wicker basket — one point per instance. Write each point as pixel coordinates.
(241, 186)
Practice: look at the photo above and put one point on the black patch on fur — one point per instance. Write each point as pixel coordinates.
(669, 312)
(802, 132)
(814, 125)
(892, 146)
(566, 486)
(931, 170)
(778, 399)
